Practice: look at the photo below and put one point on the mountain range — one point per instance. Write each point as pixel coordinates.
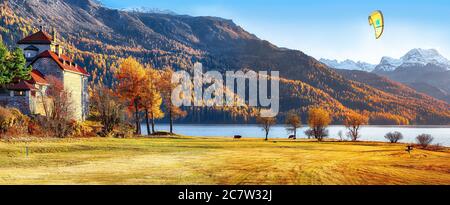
(427, 58)
(348, 65)
(424, 70)
(97, 37)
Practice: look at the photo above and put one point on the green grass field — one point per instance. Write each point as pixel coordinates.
(217, 161)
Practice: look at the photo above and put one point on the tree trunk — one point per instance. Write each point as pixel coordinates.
(171, 121)
(138, 126)
(153, 123)
(147, 122)
(267, 136)
(295, 132)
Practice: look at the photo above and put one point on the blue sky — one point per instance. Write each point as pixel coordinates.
(326, 28)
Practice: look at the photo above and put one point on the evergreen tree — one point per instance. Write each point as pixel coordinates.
(12, 65)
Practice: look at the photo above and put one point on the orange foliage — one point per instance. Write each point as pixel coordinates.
(130, 77)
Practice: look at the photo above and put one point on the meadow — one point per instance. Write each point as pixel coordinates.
(211, 161)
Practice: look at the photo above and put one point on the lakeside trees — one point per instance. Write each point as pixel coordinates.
(166, 87)
(394, 137)
(266, 123)
(130, 80)
(424, 140)
(353, 123)
(107, 107)
(318, 120)
(293, 122)
(151, 99)
(144, 90)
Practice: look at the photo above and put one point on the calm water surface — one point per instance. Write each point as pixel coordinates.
(441, 134)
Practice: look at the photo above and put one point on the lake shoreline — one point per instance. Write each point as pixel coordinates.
(441, 134)
(283, 125)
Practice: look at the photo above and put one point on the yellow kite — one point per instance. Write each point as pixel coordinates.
(377, 21)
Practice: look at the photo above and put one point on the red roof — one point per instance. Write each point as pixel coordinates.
(63, 62)
(21, 85)
(37, 38)
(37, 77)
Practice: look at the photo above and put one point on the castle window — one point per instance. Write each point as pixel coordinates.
(19, 93)
(30, 54)
(31, 51)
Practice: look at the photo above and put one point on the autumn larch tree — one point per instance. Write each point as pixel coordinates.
(318, 120)
(130, 79)
(353, 123)
(266, 123)
(293, 122)
(166, 86)
(12, 65)
(151, 99)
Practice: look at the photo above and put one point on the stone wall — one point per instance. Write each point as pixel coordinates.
(74, 84)
(85, 100)
(37, 102)
(48, 67)
(20, 102)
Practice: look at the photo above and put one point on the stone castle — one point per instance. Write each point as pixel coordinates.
(45, 55)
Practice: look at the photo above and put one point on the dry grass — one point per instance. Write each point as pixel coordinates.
(217, 161)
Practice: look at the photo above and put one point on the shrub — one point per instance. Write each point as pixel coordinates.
(437, 147)
(6, 120)
(21, 121)
(424, 140)
(124, 130)
(394, 137)
(35, 129)
(81, 129)
(318, 134)
(12, 122)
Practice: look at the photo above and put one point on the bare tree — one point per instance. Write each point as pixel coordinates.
(424, 140)
(394, 137)
(60, 108)
(353, 123)
(341, 135)
(266, 124)
(107, 107)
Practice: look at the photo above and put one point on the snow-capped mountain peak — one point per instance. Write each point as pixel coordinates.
(420, 56)
(348, 65)
(388, 64)
(417, 57)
